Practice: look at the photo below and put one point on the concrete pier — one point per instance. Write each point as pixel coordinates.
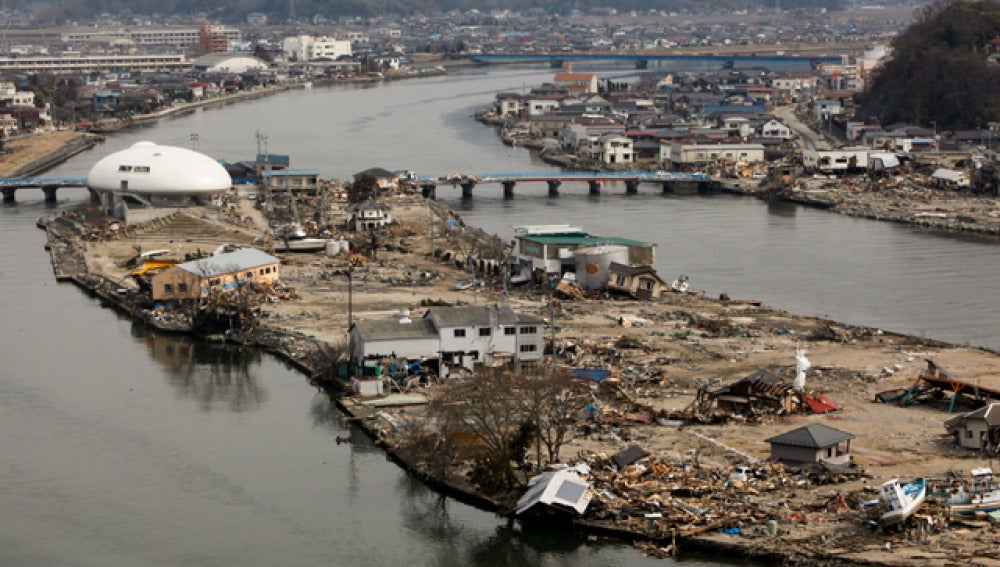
(508, 189)
(554, 187)
(467, 187)
(8, 194)
(632, 186)
(50, 194)
(429, 190)
(595, 187)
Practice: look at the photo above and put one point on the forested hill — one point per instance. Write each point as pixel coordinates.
(235, 11)
(943, 70)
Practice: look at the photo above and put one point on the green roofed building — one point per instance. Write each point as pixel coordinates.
(549, 248)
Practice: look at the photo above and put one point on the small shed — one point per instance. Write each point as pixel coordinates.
(814, 443)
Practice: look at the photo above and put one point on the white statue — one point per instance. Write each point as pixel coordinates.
(801, 365)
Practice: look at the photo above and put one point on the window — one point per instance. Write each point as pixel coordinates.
(485, 331)
(124, 168)
(141, 169)
(620, 279)
(530, 330)
(262, 271)
(968, 434)
(249, 275)
(529, 348)
(214, 282)
(182, 288)
(459, 332)
(168, 288)
(509, 331)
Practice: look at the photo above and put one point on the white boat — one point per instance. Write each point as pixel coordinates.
(522, 278)
(981, 495)
(902, 500)
(291, 238)
(466, 284)
(300, 245)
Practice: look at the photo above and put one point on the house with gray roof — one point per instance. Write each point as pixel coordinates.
(456, 337)
(977, 429)
(813, 443)
(223, 272)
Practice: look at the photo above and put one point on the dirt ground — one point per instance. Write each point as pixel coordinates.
(18, 153)
(676, 340)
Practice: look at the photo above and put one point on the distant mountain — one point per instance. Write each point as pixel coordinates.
(235, 11)
(941, 70)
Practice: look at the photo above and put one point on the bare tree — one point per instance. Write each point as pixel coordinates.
(484, 408)
(549, 397)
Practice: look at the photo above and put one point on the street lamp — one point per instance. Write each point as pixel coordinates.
(936, 147)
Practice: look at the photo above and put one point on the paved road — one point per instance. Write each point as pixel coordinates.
(808, 138)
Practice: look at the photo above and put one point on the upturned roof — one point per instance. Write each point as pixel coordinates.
(812, 436)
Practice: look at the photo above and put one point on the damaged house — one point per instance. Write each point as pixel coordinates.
(760, 393)
(978, 429)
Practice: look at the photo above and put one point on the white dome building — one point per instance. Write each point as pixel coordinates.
(157, 175)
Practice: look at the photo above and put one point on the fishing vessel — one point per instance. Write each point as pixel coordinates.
(980, 495)
(902, 500)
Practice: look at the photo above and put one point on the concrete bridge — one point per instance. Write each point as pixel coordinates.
(641, 60)
(48, 185)
(669, 181)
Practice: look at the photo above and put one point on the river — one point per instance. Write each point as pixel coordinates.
(122, 448)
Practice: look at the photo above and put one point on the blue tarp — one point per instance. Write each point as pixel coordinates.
(590, 374)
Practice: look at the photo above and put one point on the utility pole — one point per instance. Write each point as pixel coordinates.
(350, 295)
(552, 327)
(430, 223)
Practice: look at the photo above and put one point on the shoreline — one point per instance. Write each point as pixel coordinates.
(320, 373)
(312, 357)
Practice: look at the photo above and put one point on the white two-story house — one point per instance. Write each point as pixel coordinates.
(457, 337)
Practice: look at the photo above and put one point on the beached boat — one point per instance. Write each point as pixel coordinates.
(981, 495)
(300, 244)
(462, 285)
(902, 500)
(291, 238)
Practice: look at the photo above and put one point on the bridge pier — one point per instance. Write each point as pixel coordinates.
(668, 187)
(8, 194)
(642, 64)
(467, 187)
(429, 190)
(595, 187)
(554, 187)
(508, 189)
(631, 186)
(50, 194)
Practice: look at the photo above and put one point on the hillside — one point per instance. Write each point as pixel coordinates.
(941, 70)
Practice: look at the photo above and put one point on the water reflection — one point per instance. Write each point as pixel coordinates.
(781, 208)
(212, 374)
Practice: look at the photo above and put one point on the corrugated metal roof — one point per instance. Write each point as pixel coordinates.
(226, 263)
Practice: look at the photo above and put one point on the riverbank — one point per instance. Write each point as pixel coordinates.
(662, 350)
